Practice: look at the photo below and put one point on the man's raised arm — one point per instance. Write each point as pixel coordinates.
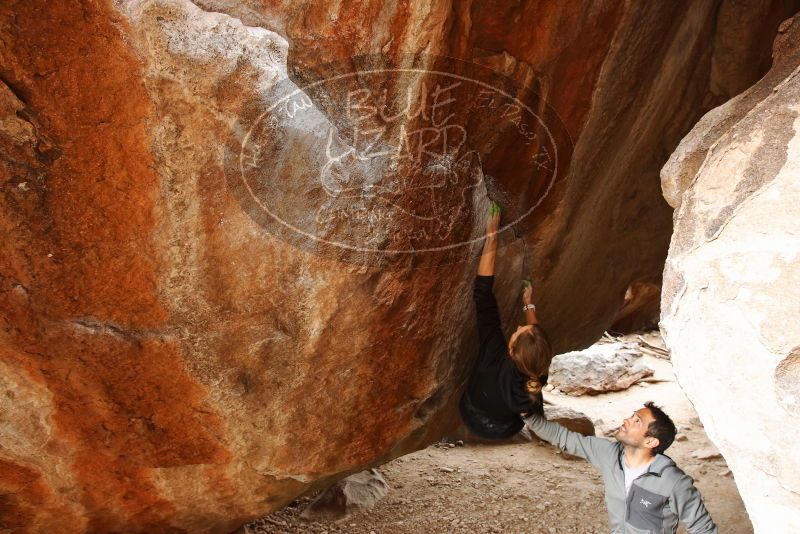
(597, 451)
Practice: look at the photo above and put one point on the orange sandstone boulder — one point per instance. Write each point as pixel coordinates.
(217, 292)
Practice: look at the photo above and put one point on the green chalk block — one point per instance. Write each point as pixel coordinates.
(494, 208)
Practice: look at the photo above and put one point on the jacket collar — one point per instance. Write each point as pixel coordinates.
(656, 467)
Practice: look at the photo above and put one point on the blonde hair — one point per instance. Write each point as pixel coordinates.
(532, 354)
(533, 387)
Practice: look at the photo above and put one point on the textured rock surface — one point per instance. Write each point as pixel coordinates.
(348, 495)
(601, 367)
(640, 310)
(169, 366)
(731, 292)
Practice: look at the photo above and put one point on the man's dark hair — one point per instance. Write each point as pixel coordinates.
(663, 429)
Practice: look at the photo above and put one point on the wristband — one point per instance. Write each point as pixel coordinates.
(529, 307)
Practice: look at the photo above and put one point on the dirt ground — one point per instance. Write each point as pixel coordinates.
(527, 487)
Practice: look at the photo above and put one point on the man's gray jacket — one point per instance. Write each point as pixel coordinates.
(658, 497)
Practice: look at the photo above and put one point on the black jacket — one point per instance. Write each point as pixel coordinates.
(496, 389)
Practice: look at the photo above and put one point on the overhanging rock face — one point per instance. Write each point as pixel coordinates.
(174, 361)
(732, 287)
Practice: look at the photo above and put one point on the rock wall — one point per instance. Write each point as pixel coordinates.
(169, 364)
(732, 287)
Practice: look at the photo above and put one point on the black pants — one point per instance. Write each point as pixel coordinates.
(488, 426)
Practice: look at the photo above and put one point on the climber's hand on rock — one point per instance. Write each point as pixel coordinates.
(527, 292)
(493, 222)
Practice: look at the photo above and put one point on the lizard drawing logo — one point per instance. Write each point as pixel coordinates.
(394, 158)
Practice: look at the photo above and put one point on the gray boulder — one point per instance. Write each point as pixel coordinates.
(597, 369)
(356, 492)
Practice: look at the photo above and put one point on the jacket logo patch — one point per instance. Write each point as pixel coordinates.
(645, 503)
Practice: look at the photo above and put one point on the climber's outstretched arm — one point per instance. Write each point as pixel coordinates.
(486, 264)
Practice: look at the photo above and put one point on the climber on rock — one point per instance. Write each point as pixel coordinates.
(508, 378)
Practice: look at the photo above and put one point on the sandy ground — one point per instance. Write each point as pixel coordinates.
(527, 487)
